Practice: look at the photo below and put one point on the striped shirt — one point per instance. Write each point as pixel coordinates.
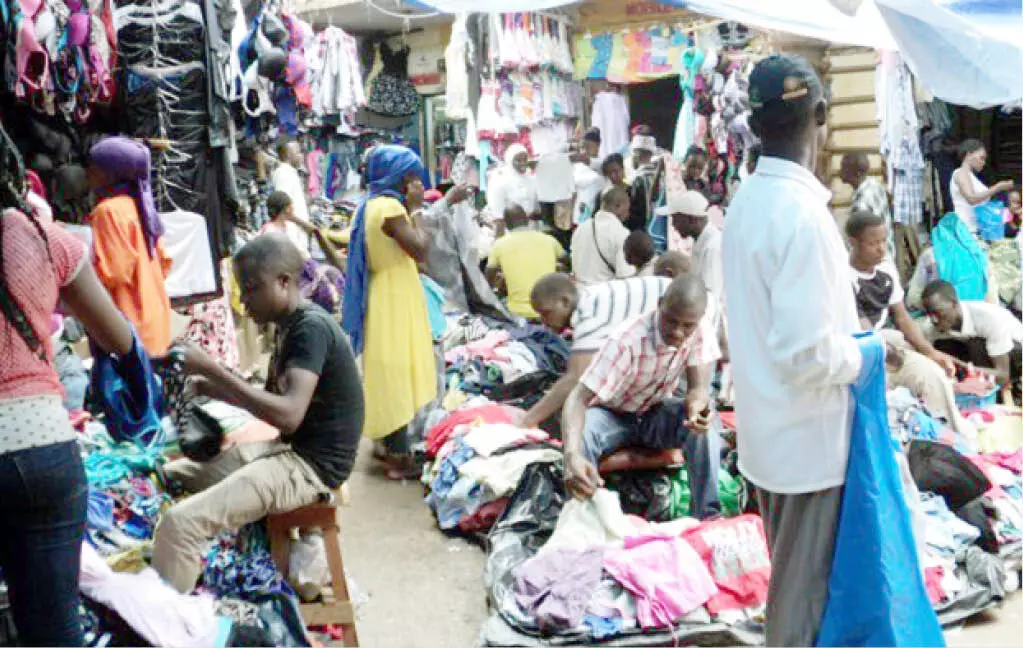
(603, 308)
(635, 370)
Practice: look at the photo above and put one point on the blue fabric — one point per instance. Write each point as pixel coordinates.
(961, 260)
(990, 220)
(876, 593)
(435, 306)
(386, 168)
(603, 627)
(101, 510)
(130, 395)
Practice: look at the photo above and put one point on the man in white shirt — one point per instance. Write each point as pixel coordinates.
(598, 245)
(976, 332)
(286, 178)
(688, 212)
(791, 318)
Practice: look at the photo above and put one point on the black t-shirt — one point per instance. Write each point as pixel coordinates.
(329, 434)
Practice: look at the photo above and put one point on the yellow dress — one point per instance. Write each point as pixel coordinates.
(398, 366)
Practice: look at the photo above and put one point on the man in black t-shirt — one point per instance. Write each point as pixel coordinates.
(313, 396)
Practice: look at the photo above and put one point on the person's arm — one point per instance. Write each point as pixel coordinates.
(582, 479)
(87, 300)
(334, 256)
(916, 338)
(556, 397)
(919, 280)
(697, 399)
(805, 341)
(962, 181)
(408, 235)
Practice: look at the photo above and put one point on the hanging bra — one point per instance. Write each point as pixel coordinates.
(29, 53)
(258, 101)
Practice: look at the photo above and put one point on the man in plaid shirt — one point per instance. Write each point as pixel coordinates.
(625, 397)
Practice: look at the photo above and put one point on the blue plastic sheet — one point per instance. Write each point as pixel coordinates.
(960, 258)
(990, 220)
(876, 593)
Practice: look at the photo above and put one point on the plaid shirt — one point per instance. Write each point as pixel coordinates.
(635, 370)
(871, 196)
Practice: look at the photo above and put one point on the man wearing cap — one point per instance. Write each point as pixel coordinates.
(640, 173)
(791, 318)
(688, 212)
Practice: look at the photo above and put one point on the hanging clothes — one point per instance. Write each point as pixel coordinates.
(456, 92)
(393, 94)
(611, 116)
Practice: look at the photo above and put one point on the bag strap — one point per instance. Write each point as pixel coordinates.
(596, 244)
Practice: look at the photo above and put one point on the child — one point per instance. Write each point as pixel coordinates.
(313, 395)
(876, 284)
(521, 257)
(639, 253)
(282, 219)
(1013, 214)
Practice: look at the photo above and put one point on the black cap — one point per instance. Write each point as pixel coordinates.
(782, 77)
(592, 135)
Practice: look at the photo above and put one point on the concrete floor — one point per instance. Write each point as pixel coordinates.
(418, 588)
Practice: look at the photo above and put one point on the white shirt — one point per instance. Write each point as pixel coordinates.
(791, 317)
(998, 327)
(707, 258)
(286, 178)
(604, 308)
(598, 250)
(962, 207)
(512, 188)
(876, 292)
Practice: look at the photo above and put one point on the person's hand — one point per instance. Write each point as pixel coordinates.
(197, 361)
(944, 361)
(199, 386)
(697, 407)
(1004, 185)
(581, 477)
(458, 193)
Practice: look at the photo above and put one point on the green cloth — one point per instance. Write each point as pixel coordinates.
(1004, 259)
(728, 493)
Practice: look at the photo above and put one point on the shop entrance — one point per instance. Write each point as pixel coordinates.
(657, 104)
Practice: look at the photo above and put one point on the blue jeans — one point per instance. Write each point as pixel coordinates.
(42, 523)
(661, 428)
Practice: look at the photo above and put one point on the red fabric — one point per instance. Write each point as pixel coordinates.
(729, 420)
(932, 579)
(35, 183)
(735, 552)
(484, 518)
(1012, 461)
(440, 433)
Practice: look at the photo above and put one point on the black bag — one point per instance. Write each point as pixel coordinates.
(199, 434)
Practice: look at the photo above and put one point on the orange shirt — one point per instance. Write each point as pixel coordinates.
(133, 278)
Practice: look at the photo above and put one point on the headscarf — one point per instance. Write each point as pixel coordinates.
(386, 167)
(509, 157)
(129, 164)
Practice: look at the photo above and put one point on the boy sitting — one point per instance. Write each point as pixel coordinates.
(313, 395)
(876, 284)
(639, 253)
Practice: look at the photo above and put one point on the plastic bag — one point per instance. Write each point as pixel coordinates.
(875, 597)
(990, 220)
(308, 568)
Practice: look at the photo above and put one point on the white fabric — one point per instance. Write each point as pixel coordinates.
(611, 116)
(604, 308)
(598, 521)
(509, 187)
(960, 205)
(495, 6)
(501, 474)
(707, 260)
(791, 317)
(996, 325)
(606, 232)
(159, 613)
(238, 35)
(456, 89)
(487, 439)
(40, 208)
(588, 186)
(335, 73)
(898, 294)
(186, 242)
(555, 180)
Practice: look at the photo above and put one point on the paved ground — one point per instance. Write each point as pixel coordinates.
(421, 589)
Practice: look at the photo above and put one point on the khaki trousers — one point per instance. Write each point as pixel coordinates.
(243, 484)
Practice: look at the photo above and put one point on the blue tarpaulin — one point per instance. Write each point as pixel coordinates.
(876, 594)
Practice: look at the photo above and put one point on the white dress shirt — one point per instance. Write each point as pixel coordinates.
(791, 317)
(707, 258)
(598, 250)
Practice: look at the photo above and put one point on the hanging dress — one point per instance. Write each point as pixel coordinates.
(393, 95)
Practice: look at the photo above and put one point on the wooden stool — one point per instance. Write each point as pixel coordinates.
(337, 608)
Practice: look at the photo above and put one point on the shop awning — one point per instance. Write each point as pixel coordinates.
(966, 52)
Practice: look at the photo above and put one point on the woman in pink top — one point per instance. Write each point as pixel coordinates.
(43, 508)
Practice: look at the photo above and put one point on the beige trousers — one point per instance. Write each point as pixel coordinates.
(243, 484)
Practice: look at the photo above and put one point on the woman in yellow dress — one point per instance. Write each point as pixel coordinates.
(384, 308)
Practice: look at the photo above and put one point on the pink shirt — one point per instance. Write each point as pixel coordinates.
(34, 278)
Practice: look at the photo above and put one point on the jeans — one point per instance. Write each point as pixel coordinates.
(661, 428)
(42, 523)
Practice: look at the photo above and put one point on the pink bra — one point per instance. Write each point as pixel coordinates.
(32, 61)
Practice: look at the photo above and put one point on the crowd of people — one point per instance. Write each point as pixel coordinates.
(775, 299)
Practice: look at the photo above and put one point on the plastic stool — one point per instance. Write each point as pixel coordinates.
(336, 608)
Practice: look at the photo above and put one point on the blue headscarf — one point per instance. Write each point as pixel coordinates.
(386, 167)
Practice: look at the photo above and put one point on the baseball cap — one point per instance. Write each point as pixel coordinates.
(691, 203)
(782, 77)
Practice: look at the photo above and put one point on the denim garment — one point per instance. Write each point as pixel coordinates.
(42, 522)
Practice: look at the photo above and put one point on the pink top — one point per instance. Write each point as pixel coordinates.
(34, 282)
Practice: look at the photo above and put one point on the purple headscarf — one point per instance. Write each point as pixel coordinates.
(128, 163)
